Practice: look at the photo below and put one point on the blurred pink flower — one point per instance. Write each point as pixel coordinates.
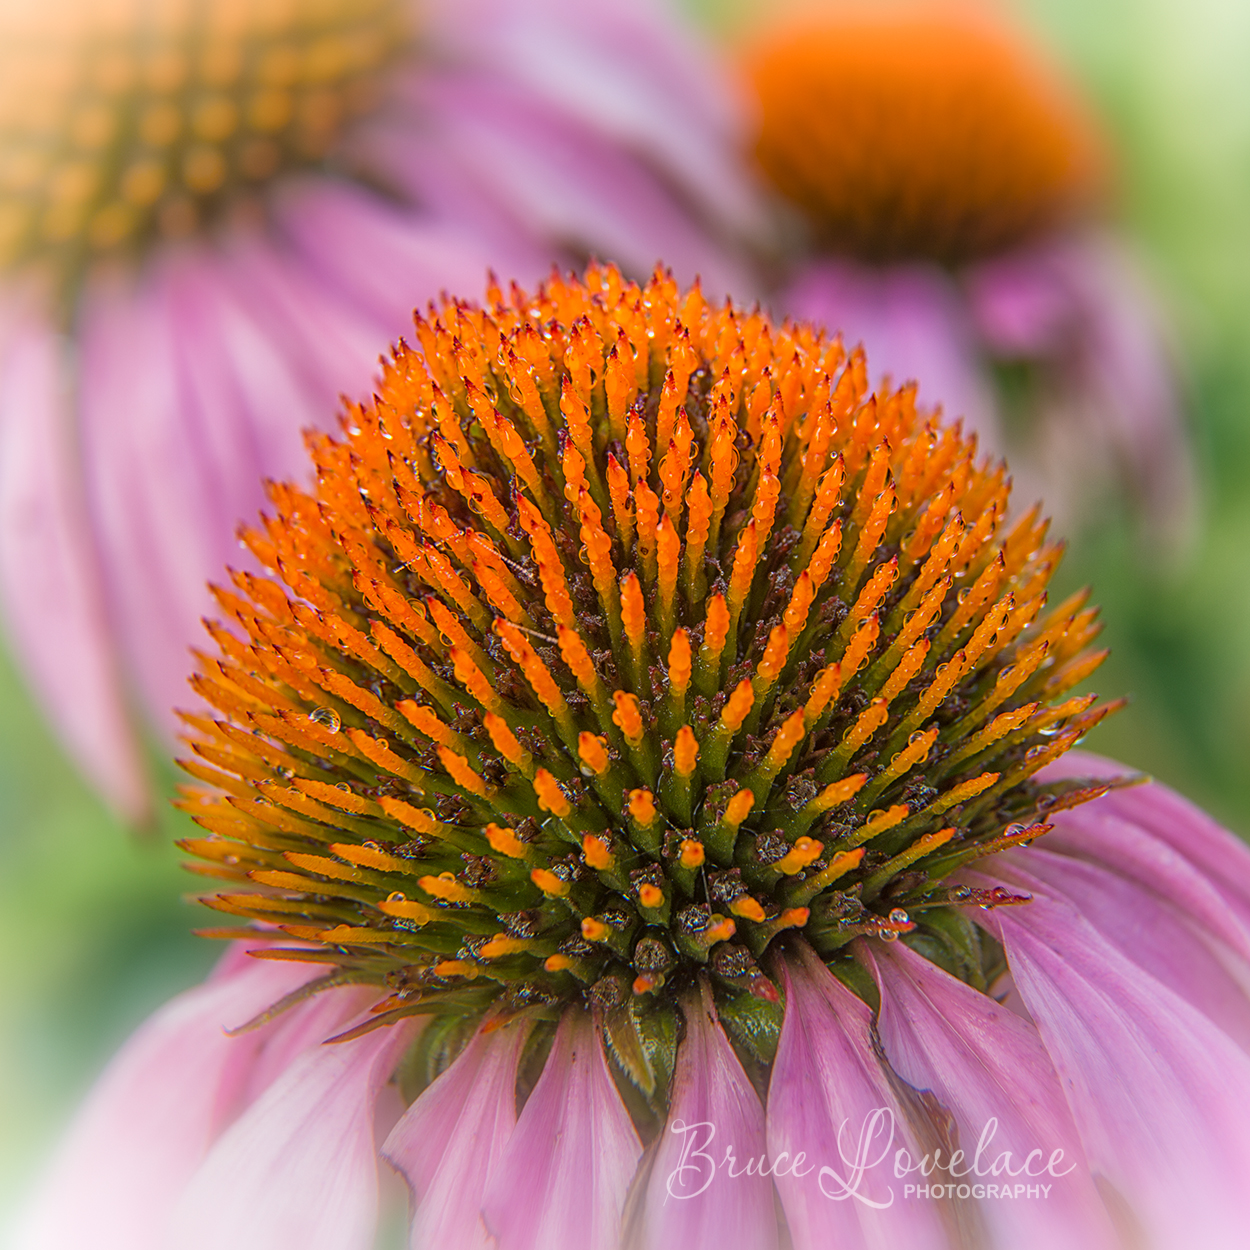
(147, 390)
(1120, 1057)
(949, 185)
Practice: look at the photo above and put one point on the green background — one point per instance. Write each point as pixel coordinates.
(93, 930)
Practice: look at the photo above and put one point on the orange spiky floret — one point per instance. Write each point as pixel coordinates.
(606, 758)
(932, 131)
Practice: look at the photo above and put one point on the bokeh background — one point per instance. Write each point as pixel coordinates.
(94, 929)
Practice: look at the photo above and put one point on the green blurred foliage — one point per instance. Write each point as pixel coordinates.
(92, 921)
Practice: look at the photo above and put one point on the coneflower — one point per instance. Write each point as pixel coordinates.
(628, 757)
(211, 214)
(954, 190)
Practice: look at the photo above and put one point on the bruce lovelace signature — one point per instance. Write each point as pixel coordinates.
(700, 1164)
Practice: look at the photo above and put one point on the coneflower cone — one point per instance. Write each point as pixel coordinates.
(628, 766)
(621, 635)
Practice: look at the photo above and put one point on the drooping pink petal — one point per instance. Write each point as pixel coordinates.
(1082, 304)
(1156, 931)
(188, 401)
(913, 325)
(1161, 814)
(562, 182)
(385, 260)
(153, 1115)
(627, 72)
(449, 1141)
(331, 346)
(835, 1124)
(564, 1174)
(710, 1180)
(166, 479)
(989, 1068)
(299, 1167)
(1158, 1092)
(54, 612)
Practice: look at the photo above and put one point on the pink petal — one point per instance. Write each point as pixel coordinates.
(563, 1177)
(384, 260)
(698, 1195)
(299, 1167)
(913, 325)
(830, 1101)
(49, 575)
(1084, 305)
(331, 347)
(450, 1140)
(164, 477)
(990, 1070)
(1164, 816)
(562, 182)
(625, 71)
(152, 1116)
(1157, 1092)
(187, 404)
(1157, 932)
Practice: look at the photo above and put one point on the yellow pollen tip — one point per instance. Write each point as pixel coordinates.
(557, 963)
(456, 968)
(628, 717)
(738, 706)
(503, 841)
(879, 821)
(650, 896)
(501, 944)
(679, 662)
(446, 887)
(592, 751)
(594, 930)
(739, 808)
(838, 792)
(748, 908)
(805, 851)
(597, 854)
(406, 909)
(642, 806)
(692, 854)
(685, 751)
(549, 883)
(550, 797)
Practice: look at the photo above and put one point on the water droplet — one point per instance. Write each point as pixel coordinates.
(587, 771)
(327, 718)
(961, 892)
(397, 897)
(231, 859)
(899, 916)
(887, 935)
